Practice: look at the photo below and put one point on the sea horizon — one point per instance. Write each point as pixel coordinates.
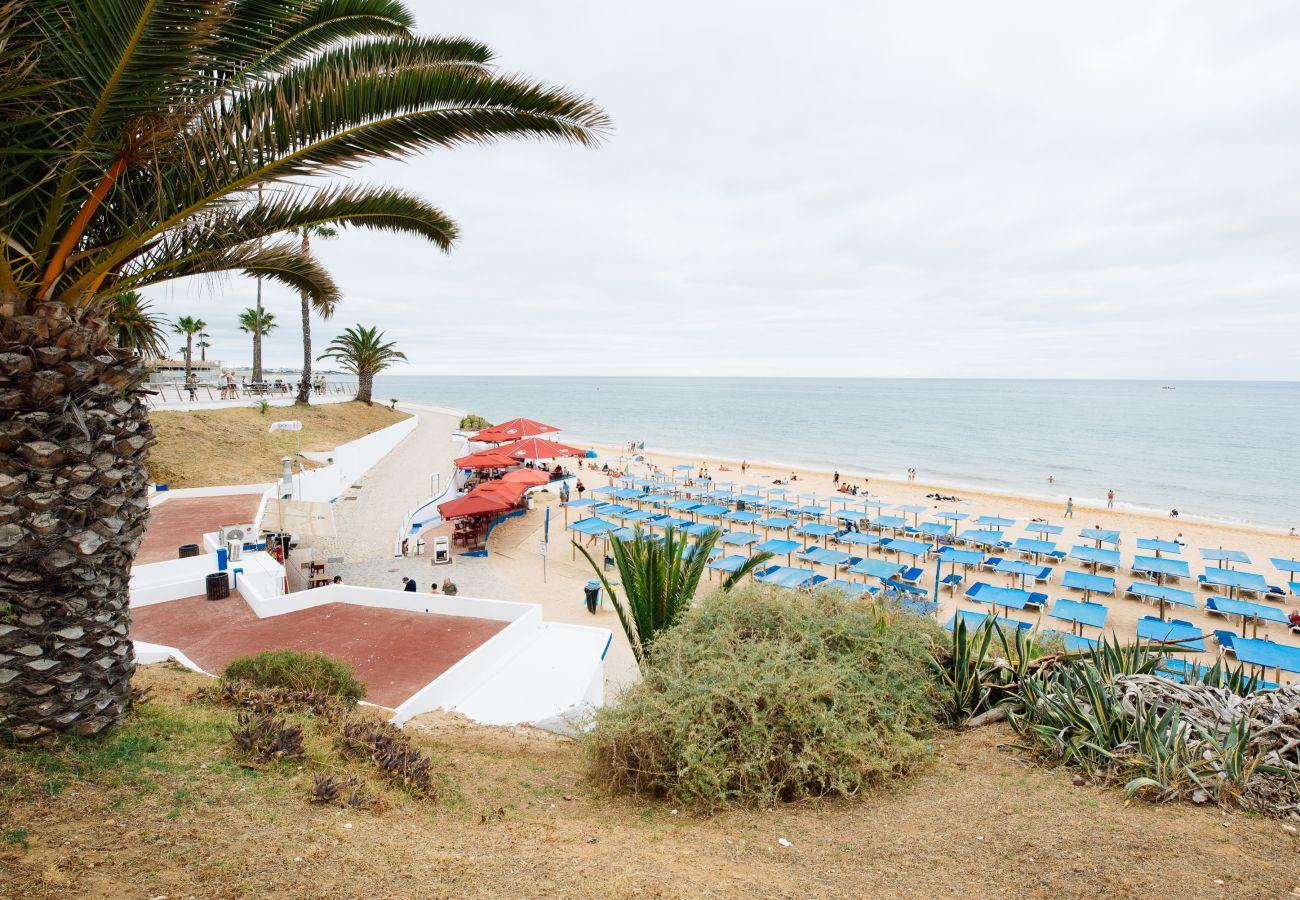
(1210, 451)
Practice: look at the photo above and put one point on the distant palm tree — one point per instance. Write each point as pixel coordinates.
(304, 385)
(363, 352)
(189, 326)
(138, 329)
(259, 324)
(659, 580)
(203, 346)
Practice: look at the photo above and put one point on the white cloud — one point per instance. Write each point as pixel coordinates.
(1091, 190)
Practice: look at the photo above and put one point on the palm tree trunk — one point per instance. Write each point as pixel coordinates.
(304, 386)
(365, 386)
(189, 354)
(74, 436)
(257, 338)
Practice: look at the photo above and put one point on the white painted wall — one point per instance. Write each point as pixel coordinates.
(171, 579)
(351, 461)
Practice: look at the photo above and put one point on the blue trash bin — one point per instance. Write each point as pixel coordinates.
(591, 596)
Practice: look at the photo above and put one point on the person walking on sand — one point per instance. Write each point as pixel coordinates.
(1110, 499)
(836, 478)
(1069, 508)
(581, 487)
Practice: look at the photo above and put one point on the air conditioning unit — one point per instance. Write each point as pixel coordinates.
(235, 549)
(235, 534)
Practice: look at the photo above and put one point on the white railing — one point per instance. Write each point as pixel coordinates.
(177, 392)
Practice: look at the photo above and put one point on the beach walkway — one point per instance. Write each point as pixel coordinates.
(369, 513)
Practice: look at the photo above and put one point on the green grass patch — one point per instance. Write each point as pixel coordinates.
(762, 695)
(297, 671)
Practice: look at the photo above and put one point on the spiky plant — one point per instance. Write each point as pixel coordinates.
(659, 580)
(137, 135)
(363, 352)
(139, 329)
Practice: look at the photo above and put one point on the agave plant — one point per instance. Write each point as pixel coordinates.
(148, 140)
(659, 580)
(974, 675)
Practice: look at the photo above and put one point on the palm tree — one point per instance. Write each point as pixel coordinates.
(304, 385)
(136, 136)
(203, 346)
(189, 327)
(138, 329)
(659, 579)
(363, 352)
(258, 323)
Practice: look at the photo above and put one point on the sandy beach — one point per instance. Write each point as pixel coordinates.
(515, 555)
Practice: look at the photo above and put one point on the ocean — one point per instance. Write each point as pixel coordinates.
(1224, 450)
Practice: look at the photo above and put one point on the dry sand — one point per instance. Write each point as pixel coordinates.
(518, 565)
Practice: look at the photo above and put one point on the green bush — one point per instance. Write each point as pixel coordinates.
(297, 670)
(473, 422)
(763, 695)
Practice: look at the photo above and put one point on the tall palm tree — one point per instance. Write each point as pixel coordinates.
(258, 323)
(203, 346)
(363, 352)
(136, 135)
(138, 328)
(304, 384)
(188, 326)
(659, 580)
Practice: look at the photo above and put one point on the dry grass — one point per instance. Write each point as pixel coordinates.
(176, 817)
(232, 446)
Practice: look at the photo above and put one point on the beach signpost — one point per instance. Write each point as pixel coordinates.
(546, 538)
(288, 425)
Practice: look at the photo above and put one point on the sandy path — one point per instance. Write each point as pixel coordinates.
(371, 511)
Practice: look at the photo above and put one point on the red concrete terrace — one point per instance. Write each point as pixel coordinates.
(184, 521)
(394, 652)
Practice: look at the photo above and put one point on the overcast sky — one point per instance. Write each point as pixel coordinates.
(1102, 189)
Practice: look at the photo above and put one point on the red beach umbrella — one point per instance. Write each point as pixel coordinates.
(502, 490)
(537, 448)
(481, 505)
(513, 430)
(484, 459)
(529, 477)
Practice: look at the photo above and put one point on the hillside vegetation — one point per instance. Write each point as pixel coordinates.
(233, 446)
(165, 805)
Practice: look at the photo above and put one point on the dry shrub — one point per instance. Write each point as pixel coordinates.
(764, 695)
(296, 670)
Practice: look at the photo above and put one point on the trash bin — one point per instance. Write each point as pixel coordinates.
(218, 585)
(592, 596)
(185, 551)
